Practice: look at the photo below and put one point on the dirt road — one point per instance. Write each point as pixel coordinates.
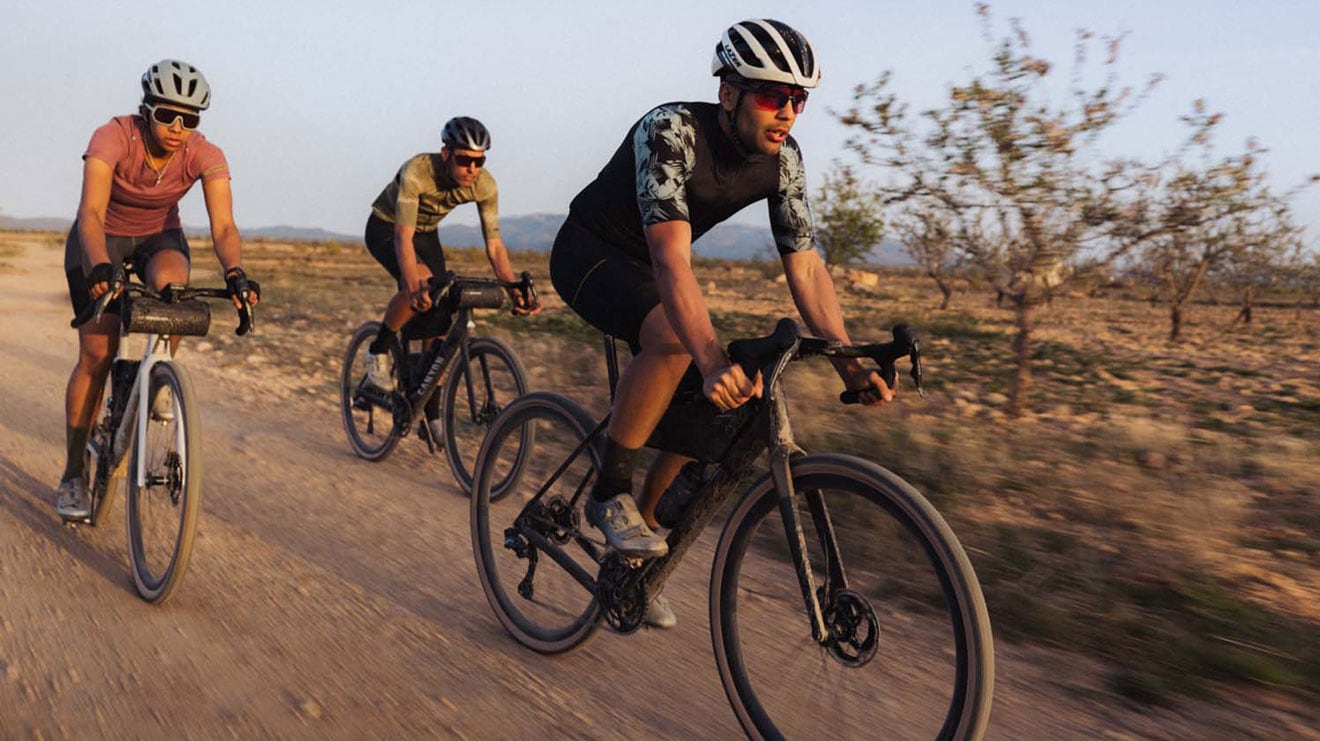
(329, 597)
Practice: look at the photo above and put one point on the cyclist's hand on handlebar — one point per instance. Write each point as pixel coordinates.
(730, 388)
(874, 390)
(419, 292)
(104, 277)
(523, 303)
(243, 291)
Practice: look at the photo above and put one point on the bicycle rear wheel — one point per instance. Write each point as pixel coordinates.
(909, 652)
(162, 512)
(368, 414)
(473, 396)
(527, 555)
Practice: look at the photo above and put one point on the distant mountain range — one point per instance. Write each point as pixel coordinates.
(531, 232)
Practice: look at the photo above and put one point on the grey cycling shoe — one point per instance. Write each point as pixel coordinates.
(380, 370)
(659, 614)
(71, 501)
(624, 528)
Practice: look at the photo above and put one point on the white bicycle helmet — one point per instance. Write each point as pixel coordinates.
(462, 132)
(177, 83)
(765, 50)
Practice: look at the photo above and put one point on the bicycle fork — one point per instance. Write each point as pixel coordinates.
(782, 450)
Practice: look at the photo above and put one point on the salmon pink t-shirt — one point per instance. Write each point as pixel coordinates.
(139, 205)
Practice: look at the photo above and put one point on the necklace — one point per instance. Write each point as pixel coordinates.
(160, 172)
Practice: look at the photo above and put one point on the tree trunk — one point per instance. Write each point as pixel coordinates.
(947, 291)
(1248, 300)
(1022, 352)
(1175, 320)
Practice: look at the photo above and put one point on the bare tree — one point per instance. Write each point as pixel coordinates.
(1022, 170)
(929, 236)
(849, 223)
(1270, 247)
(1220, 215)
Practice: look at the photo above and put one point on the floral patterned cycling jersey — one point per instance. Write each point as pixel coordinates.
(677, 164)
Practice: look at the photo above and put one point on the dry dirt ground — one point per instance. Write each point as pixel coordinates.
(329, 597)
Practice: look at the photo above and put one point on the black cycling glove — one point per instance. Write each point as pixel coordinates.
(104, 272)
(240, 286)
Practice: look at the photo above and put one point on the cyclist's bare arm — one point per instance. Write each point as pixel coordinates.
(410, 278)
(224, 233)
(523, 305)
(670, 245)
(98, 176)
(813, 292)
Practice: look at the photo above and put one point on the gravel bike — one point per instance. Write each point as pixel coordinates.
(147, 441)
(841, 603)
(487, 375)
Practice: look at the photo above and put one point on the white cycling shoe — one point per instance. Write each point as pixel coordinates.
(380, 370)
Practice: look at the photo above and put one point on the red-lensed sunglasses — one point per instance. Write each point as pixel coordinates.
(774, 98)
(464, 160)
(167, 117)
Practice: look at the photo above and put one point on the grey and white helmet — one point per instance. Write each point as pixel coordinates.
(462, 132)
(765, 50)
(177, 83)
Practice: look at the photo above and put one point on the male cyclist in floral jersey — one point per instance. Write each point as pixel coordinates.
(623, 258)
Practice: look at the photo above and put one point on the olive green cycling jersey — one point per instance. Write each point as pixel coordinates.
(423, 193)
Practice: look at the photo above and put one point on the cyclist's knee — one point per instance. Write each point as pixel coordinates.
(165, 267)
(94, 357)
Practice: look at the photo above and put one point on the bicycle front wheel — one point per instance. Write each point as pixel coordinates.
(368, 413)
(474, 394)
(163, 507)
(532, 556)
(907, 651)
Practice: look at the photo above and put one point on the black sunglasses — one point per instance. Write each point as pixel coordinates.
(167, 116)
(464, 160)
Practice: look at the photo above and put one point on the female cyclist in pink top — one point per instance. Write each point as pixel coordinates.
(135, 170)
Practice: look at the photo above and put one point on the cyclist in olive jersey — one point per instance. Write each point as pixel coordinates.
(622, 260)
(402, 234)
(135, 170)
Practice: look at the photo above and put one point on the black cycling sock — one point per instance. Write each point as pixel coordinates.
(616, 471)
(76, 449)
(382, 342)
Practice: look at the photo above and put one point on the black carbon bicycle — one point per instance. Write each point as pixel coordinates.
(486, 376)
(841, 603)
(151, 410)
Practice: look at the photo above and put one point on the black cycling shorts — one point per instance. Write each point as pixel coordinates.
(137, 250)
(380, 243)
(612, 291)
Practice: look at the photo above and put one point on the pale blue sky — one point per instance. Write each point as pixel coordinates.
(317, 102)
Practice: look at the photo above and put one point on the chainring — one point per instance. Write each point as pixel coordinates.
(621, 593)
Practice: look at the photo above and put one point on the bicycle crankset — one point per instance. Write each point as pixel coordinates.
(621, 593)
(854, 631)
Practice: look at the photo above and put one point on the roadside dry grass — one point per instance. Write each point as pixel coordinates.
(1157, 507)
